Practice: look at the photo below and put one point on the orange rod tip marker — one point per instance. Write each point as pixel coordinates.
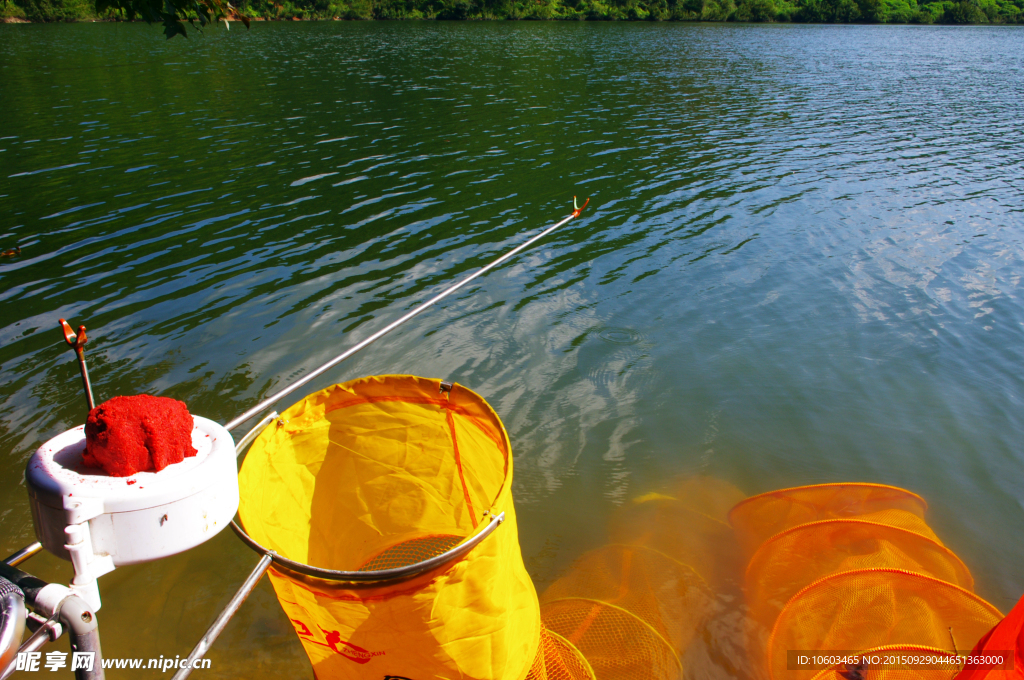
(577, 209)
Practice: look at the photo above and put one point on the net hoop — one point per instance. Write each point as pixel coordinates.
(788, 491)
(955, 561)
(380, 576)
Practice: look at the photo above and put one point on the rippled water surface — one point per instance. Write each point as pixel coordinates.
(801, 262)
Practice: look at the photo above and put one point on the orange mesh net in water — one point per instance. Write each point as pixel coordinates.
(842, 568)
(758, 518)
(880, 664)
(1004, 644)
(688, 523)
(617, 644)
(872, 608)
(797, 557)
(665, 525)
(706, 495)
(632, 608)
(665, 594)
(557, 659)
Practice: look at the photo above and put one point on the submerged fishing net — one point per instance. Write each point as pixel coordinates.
(795, 558)
(633, 607)
(873, 608)
(558, 659)
(875, 664)
(1004, 642)
(666, 595)
(617, 644)
(758, 518)
(849, 568)
(687, 523)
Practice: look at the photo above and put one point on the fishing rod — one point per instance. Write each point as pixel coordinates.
(258, 408)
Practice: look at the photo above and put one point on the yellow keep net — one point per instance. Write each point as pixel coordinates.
(669, 597)
(848, 568)
(384, 472)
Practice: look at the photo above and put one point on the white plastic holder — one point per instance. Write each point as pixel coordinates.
(98, 522)
(49, 599)
(88, 565)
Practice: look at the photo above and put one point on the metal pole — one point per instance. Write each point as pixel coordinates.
(85, 376)
(255, 410)
(83, 631)
(23, 554)
(222, 619)
(74, 614)
(48, 632)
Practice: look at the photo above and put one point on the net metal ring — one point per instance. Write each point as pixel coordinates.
(381, 575)
(378, 576)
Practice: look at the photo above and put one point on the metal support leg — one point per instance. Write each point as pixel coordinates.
(222, 620)
(83, 631)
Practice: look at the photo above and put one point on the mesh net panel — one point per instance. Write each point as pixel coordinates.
(557, 659)
(873, 608)
(789, 561)
(760, 517)
(668, 526)
(632, 607)
(411, 552)
(618, 645)
(667, 595)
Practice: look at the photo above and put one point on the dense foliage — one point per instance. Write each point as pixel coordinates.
(200, 12)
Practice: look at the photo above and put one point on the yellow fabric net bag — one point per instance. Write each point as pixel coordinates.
(383, 473)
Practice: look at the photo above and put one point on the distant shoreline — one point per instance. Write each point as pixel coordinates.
(834, 12)
(20, 20)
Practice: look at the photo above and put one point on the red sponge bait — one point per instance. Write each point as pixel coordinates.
(126, 435)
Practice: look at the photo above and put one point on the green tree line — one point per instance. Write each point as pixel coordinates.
(201, 12)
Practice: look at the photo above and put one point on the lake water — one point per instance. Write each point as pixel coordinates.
(801, 262)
